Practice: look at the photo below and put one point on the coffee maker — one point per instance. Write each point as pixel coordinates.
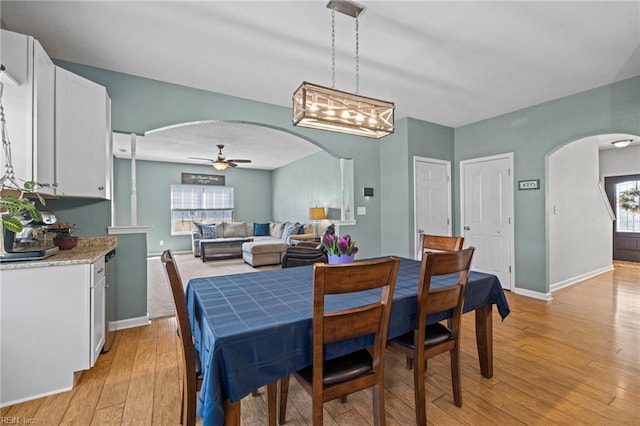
(33, 230)
(31, 242)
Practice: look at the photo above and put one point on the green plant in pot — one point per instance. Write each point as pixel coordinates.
(16, 210)
(63, 239)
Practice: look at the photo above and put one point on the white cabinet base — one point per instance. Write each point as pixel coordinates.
(45, 330)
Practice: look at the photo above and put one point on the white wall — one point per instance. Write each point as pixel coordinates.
(579, 227)
(620, 162)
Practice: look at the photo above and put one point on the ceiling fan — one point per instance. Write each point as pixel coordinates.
(221, 163)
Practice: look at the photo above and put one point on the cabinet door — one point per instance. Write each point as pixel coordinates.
(98, 297)
(16, 54)
(43, 119)
(80, 136)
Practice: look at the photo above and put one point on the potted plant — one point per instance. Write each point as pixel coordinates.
(339, 249)
(63, 239)
(15, 211)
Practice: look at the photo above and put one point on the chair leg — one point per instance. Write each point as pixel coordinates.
(255, 392)
(378, 405)
(343, 398)
(284, 394)
(419, 393)
(455, 377)
(409, 362)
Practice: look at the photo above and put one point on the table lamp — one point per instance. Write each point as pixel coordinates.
(316, 214)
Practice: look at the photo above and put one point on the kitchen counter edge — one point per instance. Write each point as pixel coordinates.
(81, 254)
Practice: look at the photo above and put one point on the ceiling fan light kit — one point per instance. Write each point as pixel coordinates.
(325, 108)
(221, 163)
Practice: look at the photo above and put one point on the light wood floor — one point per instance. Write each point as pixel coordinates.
(571, 361)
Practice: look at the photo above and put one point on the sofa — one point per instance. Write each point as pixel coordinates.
(269, 240)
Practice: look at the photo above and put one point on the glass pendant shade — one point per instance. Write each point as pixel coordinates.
(219, 165)
(320, 107)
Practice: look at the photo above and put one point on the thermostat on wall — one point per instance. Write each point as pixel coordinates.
(367, 192)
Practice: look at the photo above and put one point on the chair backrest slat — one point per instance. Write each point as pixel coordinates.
(353, 323)
(442, 242)
(445, 298)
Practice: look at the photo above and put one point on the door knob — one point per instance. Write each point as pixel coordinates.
(420, 231)
(467, 228)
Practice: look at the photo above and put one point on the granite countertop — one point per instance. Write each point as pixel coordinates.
(88, 250)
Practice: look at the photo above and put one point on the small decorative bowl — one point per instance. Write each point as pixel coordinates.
(66, 243)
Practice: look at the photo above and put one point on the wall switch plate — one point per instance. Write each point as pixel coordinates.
(361, 211)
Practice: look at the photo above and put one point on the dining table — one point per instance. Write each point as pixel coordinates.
(254, 328)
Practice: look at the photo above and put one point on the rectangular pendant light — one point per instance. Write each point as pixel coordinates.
(324, 108)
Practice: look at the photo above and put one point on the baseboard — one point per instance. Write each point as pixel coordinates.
(10, 420)
(129, 323)
(533, 294)
(578, 278)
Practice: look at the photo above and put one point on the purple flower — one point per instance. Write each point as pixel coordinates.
(343, 244)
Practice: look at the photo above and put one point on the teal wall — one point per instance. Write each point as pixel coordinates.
(412, 138)
(140, 104)
(91, 217)
(532, 134)
(251, 188)
(308, 182)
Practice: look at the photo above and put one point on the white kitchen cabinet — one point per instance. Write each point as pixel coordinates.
(81, 137)
(29, 103)
(52, 325)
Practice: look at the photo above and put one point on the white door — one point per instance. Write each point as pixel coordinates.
(486, 212)
(432, 198)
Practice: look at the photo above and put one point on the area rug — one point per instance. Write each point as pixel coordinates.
(159, 303)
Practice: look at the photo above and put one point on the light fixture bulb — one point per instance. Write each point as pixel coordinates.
(330, 112)
(622, 143)
(345, 114)
(313, 108)
(359, 118)
(218, 165)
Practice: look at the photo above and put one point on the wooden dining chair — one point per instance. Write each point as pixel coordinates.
(192, 379)
(427, 341)
(330, 379)
(441, 242)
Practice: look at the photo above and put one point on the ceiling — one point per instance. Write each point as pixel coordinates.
(446, 62)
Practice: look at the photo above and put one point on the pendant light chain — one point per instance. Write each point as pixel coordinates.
(333, 49)
(357, 58)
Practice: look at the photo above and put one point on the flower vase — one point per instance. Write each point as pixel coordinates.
(335, 259)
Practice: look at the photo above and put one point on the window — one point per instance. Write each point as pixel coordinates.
(628, 203)
(194, 203)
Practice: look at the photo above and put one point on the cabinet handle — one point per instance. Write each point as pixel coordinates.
(100, 188)
(100, 270)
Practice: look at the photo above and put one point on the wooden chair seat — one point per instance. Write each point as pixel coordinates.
(342, 369)
(434, 334)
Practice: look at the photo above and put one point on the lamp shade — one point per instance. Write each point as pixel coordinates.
(324, 108)
(317, 213)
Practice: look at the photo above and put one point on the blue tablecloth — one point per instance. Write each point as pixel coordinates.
(251, 329)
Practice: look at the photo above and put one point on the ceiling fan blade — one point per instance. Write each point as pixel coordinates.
(231, 164)
(200, 158)
(240, 161)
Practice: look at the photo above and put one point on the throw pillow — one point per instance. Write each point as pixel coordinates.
(235, 230)
(300, 228)
(209, 231)
(261, 229)
(289, 230)
(276, 228)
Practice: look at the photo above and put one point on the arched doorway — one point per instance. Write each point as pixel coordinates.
(578, 220)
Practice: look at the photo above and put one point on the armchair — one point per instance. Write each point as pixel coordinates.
(303, 253)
